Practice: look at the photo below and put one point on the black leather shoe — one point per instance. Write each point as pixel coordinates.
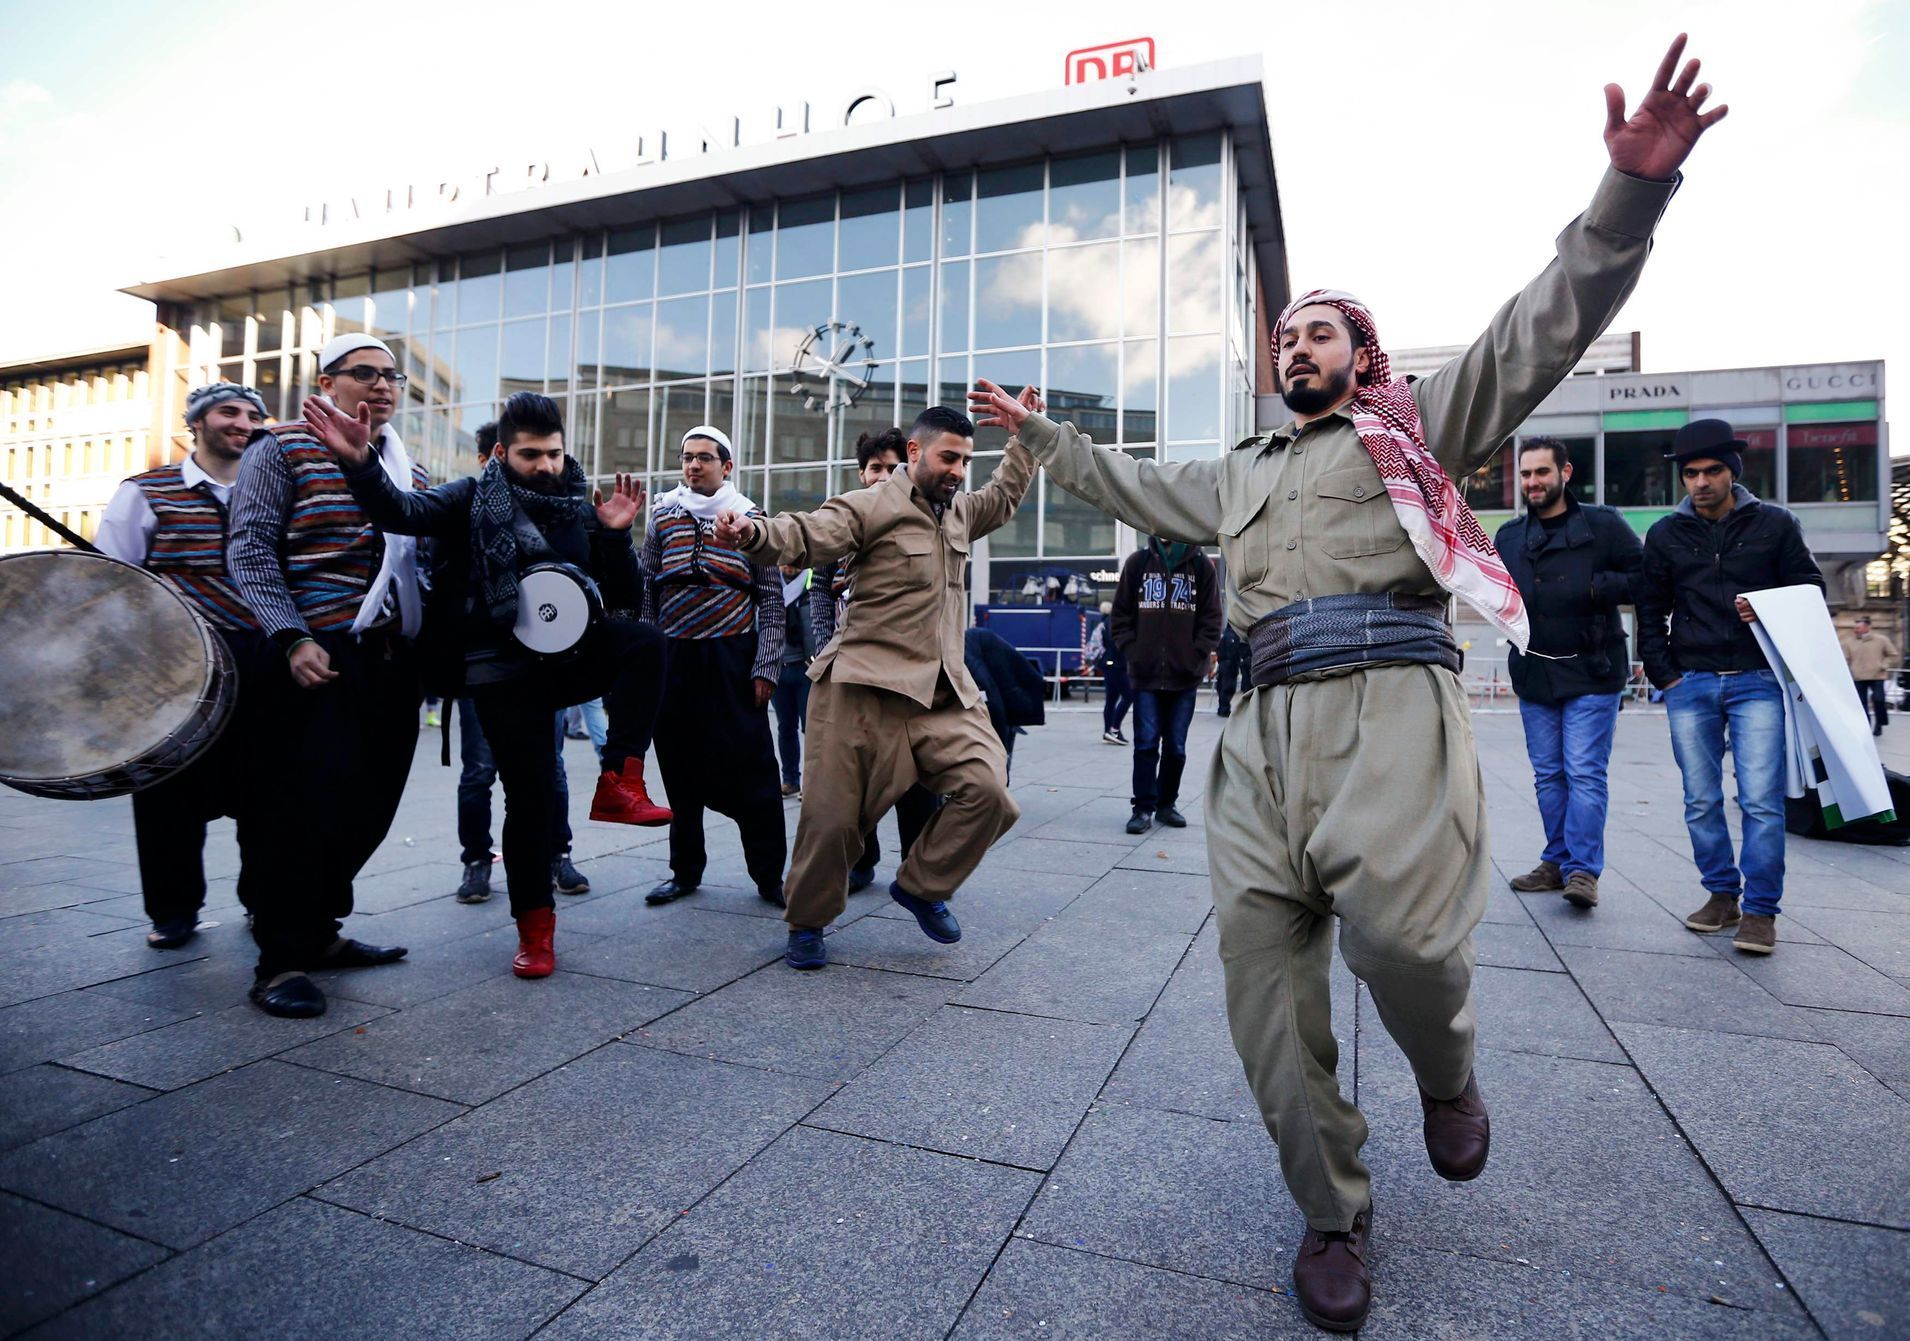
(357, 954)
(1140, 821)
(669, 891)
(297, 998)
(1171, 817)
(860, 880)
(1331, 1278)
(806, 950)
(1458, 1132)
(772, 895)
(936, 921)
(171, 935)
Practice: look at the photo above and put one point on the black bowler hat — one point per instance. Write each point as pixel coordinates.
(1709, 438)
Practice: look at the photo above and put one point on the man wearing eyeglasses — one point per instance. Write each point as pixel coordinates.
(342, 604)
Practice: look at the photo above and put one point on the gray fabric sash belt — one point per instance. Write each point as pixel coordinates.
(1331, 632)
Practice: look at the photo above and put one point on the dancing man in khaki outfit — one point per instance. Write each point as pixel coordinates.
(1347, 781)
(892, 702)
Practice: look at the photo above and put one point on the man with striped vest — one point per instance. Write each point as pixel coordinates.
(173, 521)
(723, 616)
(342, 605)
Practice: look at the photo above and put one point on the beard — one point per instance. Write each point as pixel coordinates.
(1544, 500)
(1326, 391)
(550, 486)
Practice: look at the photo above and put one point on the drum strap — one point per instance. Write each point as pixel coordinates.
(531, 545)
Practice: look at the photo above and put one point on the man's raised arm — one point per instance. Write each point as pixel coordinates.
(799, 539)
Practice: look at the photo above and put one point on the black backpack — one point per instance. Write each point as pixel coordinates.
(1805, 818)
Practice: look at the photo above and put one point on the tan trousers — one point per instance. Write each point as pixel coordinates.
(1356, 796)
(866, 747)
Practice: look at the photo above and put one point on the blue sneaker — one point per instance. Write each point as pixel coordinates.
(805, 949)
(936, 921)
(860, 879)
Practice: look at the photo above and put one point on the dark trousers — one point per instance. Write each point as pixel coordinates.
(1227, 681)
(1119, 695)
(714, 749)
(478, 770)
(1161, 719)
(1876, 705)
(169, 818)
(791, 703)
(624, 665)
(526, 740)
(912, 814)
(343, 752)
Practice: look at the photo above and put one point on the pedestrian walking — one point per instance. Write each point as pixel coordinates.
(1166, 622)
(1872, 659)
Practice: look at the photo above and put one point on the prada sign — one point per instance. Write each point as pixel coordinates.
(1643, 394)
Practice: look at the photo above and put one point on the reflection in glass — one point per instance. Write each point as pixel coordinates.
(797, 490)
(1083, 388)
(630, 265)
(916, 309)
(756, 330)
(1141, 396)
(796, 434)
(954, 305)
(723, 331)
(918, 221)
(805, 236)
(679, 409)
(1084, 292)
(1008, 208)
(589, 347)
(762, 243)
(683, 337)
(349, 306)
(478, 289)
(1193, 388)
(800, 308)
(1636, 472)
(557, 357)
(624, 434)
(683, 264)
(752, 439)
(958, 212)
(1011, 372)
(1084, 197)
(580, 434)
(868, 301)
(728, 249)
(722, 410)
(1760, 461)
(1195, 299)
(873, 411)
(475, 375)
(952, 386)
(914, 392)
(627, 344)
(1143, 194)
(1494, 486)
(1193, 182)
(390, 309)
(1070, 526)
(1141, 285)
(522, 367)
(268, 332)
(1020, 537)
(562, 279)
(590, 273)
(1831, 463)
(527, 280)
(869, 228)
(1008, 300)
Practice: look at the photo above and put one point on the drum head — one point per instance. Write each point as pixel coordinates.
(553, 611)
(99, 663)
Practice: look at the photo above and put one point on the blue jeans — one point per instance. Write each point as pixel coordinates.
(1161, 719)
(1570, 746)
(791, 701)
(1748, 707)
(478, 770)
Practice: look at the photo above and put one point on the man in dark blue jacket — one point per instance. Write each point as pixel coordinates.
(1575, 564)
(1720, 542)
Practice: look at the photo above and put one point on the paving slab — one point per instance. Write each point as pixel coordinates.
(1678, 990)
(989, 1085)
(1785, 1125)
(185, 1166)
(53, 1026)
(999, 897)
(1055, 856)
(899, 946)
(474, 1045)
(1878, 1043)
(1823, 975)
(1080, 972)
(690, 949)
(1625, 919)
(55, 1260)
(1523, 1011)
(1144, 901)
(1169, 850)
(41, 1100)
(346, 1276)
(1079, 817)
(1183, 1059)
(64, 948)
(437, 968)
(576, 1169)
(1881, 940)
(1854, 1279)
(179, 1054)
(1503, 945)
(37, 872)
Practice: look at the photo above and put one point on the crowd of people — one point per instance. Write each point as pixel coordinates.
(1345, 792)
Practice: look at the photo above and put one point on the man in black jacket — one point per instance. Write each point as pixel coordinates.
(1722, 541)
(530, 506)
(1166, 621)
(1575, 563)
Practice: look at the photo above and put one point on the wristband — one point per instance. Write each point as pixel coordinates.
(296, 644)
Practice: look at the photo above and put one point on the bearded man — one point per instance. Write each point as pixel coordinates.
(1347, 781)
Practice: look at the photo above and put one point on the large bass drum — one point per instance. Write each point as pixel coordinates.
(109, 681)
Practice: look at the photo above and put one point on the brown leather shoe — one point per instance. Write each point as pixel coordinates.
(1720, 912)
(1756, 934)
(1331, 1279)
(1544, 876)
(1581, 891)
(1458, 1132)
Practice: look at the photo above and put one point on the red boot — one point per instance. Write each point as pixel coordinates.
(535, 956)
(621, 798)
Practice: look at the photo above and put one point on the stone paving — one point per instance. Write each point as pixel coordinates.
(1039, 1132)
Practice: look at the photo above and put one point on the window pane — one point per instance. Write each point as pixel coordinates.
(1084, 197)
(800, 308)
(958, 212)
(590, 273)
(1143, 195)
(1008, 208)
(624, 434)
(756, 330)
(1193, 182)
(679, 409)
(563, 278)
(475, 378)
(1493, 487)
(1832, 463)
(269, 329)
(722, 411)
(627, 345)
(954, 305)
(1084, 292)
(797, 490)
(805, 237)
(915, 389)
(1193, 388)
(1008, 301)
(527, 280)
(870, 228)
(1141, 396)
(580, 434)
(916, 307)
(728, 249)
(868, 301)
(918, 221)
(1017, 539)
(390, 309)
(349, 307)
(1010, 372)
(753, 438)
(1760, 461)
(684, 264)
(1071, 527)
(479, 288)
(589, 348)
(1141, 283)
(798, 434)
(723, 331)
(630, 267)
(1083, 387)
(762, 242)
(683, 337)
(952, 387)
(523, 363)
(1195, 300)
(1636, 472)
(873, 411)
(557, 357)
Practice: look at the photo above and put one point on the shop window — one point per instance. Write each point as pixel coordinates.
(1833, 463)
(1637, 475)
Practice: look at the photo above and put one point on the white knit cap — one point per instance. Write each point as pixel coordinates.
(714, 434)
(340, 345)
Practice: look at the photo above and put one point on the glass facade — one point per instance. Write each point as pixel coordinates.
(1120, 280)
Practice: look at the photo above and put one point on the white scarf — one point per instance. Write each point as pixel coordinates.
(794, 587)
(704, 507)
(400, 564)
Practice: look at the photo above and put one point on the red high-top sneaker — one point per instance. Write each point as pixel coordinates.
(535, 956)
(621, 798)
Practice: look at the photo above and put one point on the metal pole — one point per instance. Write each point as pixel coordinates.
(47, 520)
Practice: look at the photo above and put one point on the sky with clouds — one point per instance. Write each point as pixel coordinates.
(1427, 153)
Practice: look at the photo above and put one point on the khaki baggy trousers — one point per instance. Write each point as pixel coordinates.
(866, 747)
(1356, 796)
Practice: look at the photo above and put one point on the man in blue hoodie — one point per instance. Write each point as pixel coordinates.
(1166, 621)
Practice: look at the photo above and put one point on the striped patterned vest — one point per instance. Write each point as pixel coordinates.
(703, 589)
(332, 551)
(188, 547)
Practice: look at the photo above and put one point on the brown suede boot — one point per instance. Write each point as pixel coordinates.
(1458, 1133)
(1758, 935)
(1331, 1279)
(1545, 876)
(1719, 912)
(1581, 891)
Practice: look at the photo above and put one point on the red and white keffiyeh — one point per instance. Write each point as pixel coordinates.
(1445, 534)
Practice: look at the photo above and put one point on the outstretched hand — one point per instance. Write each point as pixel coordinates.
(623, 506)
(346, 437)
(994, 408)
(1659, 135)
(733, 529)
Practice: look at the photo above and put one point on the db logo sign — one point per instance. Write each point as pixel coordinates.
(1110, 61)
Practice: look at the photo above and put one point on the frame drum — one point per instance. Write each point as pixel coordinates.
(109, 681)
(557, 607)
